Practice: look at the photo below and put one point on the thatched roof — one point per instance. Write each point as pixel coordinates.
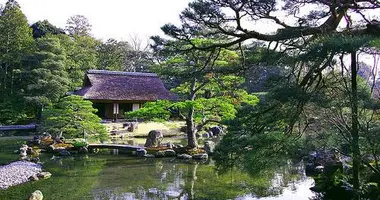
(130, 86)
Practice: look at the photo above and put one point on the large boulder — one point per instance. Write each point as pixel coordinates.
(209, 147)
(154, 138)
(36, 195)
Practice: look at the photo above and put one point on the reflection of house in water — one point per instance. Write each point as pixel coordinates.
(114, 93)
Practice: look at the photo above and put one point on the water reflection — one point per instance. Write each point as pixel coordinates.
(299, 190)
(130, 178)
(106, 176)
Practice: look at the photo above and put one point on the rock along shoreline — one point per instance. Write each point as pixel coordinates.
(17, 173)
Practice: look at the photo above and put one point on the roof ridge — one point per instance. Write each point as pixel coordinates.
(107, 72)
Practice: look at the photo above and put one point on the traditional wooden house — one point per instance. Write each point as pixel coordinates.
(113, 93)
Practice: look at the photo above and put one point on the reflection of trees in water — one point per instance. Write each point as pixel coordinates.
(189, 181)
(160, 178)
(289, 176)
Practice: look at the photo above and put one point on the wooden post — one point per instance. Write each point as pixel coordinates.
(115, 110)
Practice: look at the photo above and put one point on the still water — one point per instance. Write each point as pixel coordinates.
(168, 178)
(119, 177)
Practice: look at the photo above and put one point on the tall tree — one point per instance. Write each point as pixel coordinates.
(138, 61)
(125, 56)
(78, 25)
(81, 55)
(16, 41)
(113, 55)
(47, 79)
(139, 57)
(228, 20)
(210, 92)
(42, 28)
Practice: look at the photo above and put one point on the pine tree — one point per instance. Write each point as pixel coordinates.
(47, 77)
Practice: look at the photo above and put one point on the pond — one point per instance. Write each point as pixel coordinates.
(107, 176)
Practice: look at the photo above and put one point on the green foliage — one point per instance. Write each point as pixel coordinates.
(315, 49)
(156, 111)
(375, 43)
(308, 110)
(81, 55)
(15, 35)
(122, 56)
(112, 55)
(138, 60)
(256, 141)
(207, 83)
(79, 143)
(321, 47)
(47, 78)
(73, 117)
(12, 111)
(78, 25)
(216, 109)
(16, 41)
(335, 187)
(43, 28)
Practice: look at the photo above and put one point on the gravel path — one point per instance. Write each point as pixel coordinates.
(17, 172)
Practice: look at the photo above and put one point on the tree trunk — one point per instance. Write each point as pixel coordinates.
(191, 137)
(354, 128)
(190, 127)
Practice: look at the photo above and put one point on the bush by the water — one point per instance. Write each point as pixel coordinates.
(73, 117)
(79, 143)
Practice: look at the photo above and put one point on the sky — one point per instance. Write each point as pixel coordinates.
(116, 19)
(123, 19)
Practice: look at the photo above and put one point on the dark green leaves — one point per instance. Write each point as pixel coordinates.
(73, 117)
